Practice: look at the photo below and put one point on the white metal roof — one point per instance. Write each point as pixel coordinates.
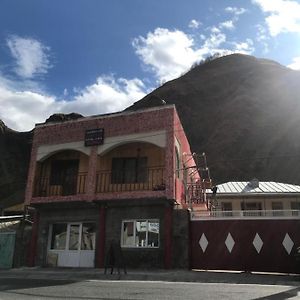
(256, 187)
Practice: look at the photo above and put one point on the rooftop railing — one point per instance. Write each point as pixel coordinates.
(243, 214)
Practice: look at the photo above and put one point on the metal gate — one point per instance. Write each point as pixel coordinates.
(7, 246)
(246, 245)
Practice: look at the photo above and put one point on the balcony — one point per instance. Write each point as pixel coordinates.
(150, 179)
(196, 194)
(60, 186)
(245, 214)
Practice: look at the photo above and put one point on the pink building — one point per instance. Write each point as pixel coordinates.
(116, 178)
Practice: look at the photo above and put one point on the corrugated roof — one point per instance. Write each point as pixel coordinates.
(256, 187)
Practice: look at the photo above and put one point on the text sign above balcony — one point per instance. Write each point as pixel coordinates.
(94, 137)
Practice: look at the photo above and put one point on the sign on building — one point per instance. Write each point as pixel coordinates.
(94, 137)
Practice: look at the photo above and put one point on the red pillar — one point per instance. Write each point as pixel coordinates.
(33, 240)
(92, 170)
(101, 239)
(168, 236)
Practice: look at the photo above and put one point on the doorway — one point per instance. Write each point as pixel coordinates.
(72, 244)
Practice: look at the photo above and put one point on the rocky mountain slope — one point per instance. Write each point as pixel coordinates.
(242, 111)
(15, 150)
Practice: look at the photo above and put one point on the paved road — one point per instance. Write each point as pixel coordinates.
(142, 290)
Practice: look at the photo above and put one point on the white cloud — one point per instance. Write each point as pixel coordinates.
(282, 15)
(167, 53)
(31, 56)
(262, 37)
(20, 110)
(215, 29)
(194, 24)
(227, 24)
(244, 47)
(235, 10)
(295, 65)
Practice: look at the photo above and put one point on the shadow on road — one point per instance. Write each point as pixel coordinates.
(282, 296)
(22, 283)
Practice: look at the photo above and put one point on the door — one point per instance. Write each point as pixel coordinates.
(70, 174)
(7, 246)
(64, 173)
(70, 257)
(73, 244)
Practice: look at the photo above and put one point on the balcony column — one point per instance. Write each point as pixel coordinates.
(33, 240)
(31, 175)
(168, 236)
(91, 175)
(100, 253)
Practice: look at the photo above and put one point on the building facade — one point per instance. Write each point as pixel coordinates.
(113, 179)
(254, 198)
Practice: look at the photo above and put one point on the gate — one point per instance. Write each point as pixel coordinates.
(7, 246)
(267, 245)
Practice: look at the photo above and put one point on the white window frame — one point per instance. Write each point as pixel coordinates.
(69, 224)
(134, 234)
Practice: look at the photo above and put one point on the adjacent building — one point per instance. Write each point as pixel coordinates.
(121, 178)
(255, 198)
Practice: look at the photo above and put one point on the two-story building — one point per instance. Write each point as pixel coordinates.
(115, 178)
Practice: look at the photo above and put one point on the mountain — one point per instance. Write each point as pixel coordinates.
(243, 112)
(15, 150)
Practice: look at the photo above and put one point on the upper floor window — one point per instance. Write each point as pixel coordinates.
(295, 206)
(227, 208)
(129, 170)
(277, 208)
(252, 208)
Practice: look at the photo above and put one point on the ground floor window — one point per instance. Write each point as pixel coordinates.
(72, 236)
(140, 233)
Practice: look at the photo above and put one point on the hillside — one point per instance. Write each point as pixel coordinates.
(15, 150)
(244, 113)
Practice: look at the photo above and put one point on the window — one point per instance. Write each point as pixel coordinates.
(59, 237)
(251, 206)
(227, 208)
(277, 208)
(88, 236)
(140, 234)
(73, 236)
(129, 170)
(295, 206)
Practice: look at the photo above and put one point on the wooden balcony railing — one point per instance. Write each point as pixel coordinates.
(60, 185)
(150, 179)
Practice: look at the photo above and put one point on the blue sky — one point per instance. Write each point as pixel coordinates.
(96, 56)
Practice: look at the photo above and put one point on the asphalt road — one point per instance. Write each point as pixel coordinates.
(142, 290)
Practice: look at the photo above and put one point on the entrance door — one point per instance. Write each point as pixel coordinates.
(72, 244)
